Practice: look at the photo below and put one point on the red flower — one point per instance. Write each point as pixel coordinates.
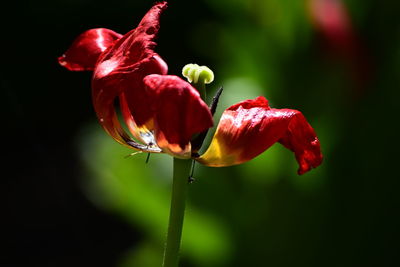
(164, 113)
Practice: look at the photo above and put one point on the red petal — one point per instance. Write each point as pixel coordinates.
(302, 140)
(179, 112)
(143, 134)
(250, 127)
(86, 49)
(121, 69)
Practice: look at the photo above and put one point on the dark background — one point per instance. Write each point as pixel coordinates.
(68, 195)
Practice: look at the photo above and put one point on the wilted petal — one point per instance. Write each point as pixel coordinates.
(179, 113)
(302, 140)
(250, 127)
(120, 71)
(86, 49)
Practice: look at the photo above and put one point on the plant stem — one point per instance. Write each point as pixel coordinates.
(201, 88)
(181, 173)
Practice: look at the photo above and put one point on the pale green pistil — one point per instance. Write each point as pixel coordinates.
(198, 76)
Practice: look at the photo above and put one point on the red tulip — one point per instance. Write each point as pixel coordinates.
(164, 113)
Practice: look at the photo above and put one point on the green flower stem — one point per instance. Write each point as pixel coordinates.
(201, 87)
(181, 173)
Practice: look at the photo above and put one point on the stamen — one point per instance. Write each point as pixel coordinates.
(133, 154)
(214, 102)
(198, 140)
(191, 178)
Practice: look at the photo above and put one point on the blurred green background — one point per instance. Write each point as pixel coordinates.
(70, 198)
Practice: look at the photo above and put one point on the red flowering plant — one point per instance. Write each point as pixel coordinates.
(166, 114)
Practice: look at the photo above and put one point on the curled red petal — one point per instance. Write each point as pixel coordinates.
(179, 112)
(121, 69)
(250, 127)
(86, 49)
(302, 140)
